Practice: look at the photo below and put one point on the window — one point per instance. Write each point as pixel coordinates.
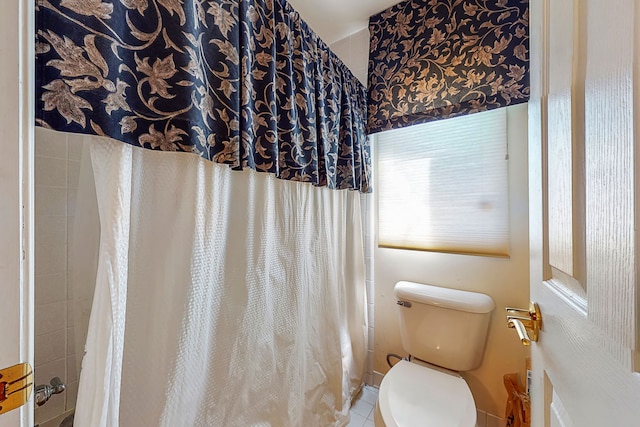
(443, 186)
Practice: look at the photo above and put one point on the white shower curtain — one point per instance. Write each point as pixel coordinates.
(223, 298)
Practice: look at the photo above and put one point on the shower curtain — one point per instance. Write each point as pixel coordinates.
(223, 298)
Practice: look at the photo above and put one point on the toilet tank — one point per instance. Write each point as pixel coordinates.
(444, 327)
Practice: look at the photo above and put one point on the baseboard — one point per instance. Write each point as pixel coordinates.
(377, 378)
(489, 420)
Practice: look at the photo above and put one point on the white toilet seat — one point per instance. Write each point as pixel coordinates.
(413, 395)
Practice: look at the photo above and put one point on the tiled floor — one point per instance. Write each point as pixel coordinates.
(362, 409)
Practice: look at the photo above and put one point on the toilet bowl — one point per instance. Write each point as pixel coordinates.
(444, 330)
(414, 394)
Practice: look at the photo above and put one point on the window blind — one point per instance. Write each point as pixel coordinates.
(443, 186)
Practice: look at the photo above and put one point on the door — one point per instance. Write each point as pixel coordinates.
(16, 128)
(584, 184)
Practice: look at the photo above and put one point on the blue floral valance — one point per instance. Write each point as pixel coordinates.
(245, 83)
(433, 59)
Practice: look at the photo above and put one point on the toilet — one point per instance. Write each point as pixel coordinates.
(444, 331)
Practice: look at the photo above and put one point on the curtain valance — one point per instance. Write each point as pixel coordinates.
(433, 59)
(245, 83)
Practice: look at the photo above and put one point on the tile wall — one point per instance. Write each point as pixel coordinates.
(60, 319)
(354, 52)
(366, 203)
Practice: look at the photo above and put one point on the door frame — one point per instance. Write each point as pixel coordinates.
(17, 83)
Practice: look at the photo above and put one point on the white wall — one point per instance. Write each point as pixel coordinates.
(354, 52)
(505, 280)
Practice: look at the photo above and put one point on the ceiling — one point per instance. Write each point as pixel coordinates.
(333, 20)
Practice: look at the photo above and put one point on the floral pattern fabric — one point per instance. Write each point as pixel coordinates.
(240, 82)
(434, 59)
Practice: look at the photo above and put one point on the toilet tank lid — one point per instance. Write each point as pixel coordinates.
(455, 299)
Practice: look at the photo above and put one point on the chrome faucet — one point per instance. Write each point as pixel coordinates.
(44, 392)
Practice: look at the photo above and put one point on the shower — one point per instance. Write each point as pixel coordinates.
(205, 230)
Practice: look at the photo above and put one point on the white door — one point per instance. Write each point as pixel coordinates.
(16, 127)
(584, 178)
